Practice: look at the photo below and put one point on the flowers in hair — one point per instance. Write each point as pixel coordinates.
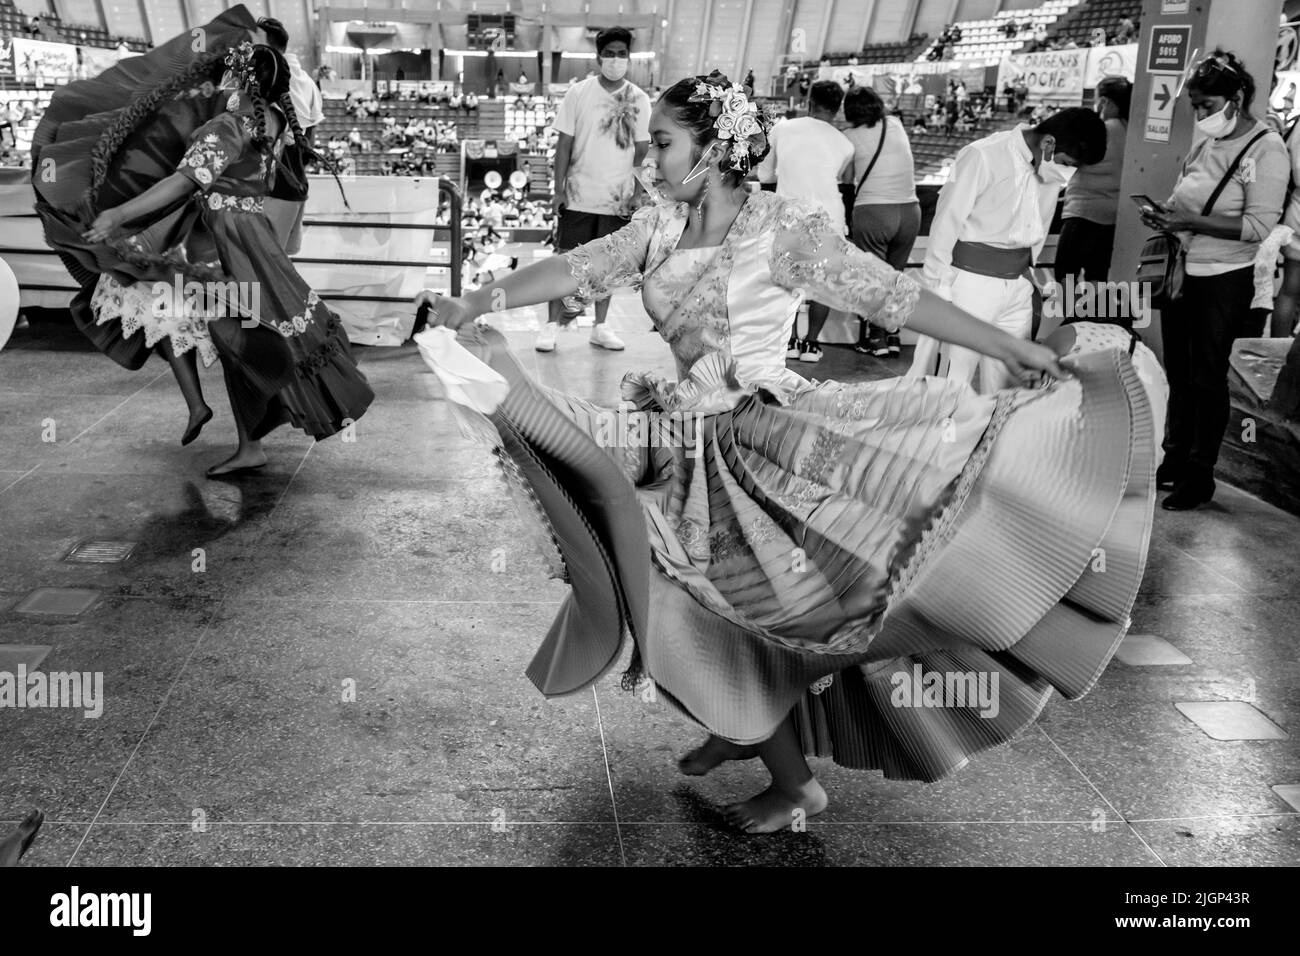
(735, 118)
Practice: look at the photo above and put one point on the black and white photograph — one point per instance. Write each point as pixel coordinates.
(659, 434)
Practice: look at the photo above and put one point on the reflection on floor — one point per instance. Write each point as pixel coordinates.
(324, 663)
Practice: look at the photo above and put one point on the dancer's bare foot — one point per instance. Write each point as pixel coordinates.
(712, 752)
(198, 418)
(246, 459)
(774, 809)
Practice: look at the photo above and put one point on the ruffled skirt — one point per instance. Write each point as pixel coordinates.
(905, 567)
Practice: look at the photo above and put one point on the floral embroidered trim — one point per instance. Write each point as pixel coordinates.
(826, 448)
(135, 307)
(297, 324)
(206, 158)
(693, 537)
(218, 202)
(741, 539)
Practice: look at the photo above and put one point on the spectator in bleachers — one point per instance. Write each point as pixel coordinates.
(990, 225)
(354, 139)
(807, 159)
(1127, 32)
(886, 214)
(1092, 198)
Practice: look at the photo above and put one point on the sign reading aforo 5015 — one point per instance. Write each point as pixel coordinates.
(1168, 51)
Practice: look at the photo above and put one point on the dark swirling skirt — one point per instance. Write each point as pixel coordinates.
(78, 115)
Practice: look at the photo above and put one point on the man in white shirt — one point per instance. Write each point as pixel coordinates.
(990, 225)
(807, 160)
(604, 133)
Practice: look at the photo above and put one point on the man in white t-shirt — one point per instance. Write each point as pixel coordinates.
(807, 160)
(604, 132)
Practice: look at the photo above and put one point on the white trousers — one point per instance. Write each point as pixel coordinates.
(1006, 303)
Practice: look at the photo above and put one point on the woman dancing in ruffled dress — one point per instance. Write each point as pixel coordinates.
(285, 356)
(827, 568)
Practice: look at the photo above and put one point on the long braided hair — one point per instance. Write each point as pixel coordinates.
(204, 73)
(268, 81)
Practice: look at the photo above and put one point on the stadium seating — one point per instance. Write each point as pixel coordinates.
(1078, 25)
(986, 39)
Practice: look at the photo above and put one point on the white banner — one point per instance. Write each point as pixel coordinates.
(1054, 74)
(358, 257)
(339, 89)
(36, 61)
(1104, 61)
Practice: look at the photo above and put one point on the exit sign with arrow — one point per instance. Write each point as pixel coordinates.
(1160, 108)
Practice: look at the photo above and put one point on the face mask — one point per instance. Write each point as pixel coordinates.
(1216, 124)
(613, 68)
(646, 175)
(1054, 173)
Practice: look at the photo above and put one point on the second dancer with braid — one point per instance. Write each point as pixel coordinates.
(285, 355)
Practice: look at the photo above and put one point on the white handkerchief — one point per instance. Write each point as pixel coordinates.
(468, 381)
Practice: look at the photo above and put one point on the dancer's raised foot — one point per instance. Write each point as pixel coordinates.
(241, 461)
(712, 752)
(198, 418)
(774, 809)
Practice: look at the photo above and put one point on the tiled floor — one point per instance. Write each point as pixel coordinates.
(324, 663)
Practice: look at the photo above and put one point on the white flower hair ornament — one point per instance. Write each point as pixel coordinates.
(737, 121)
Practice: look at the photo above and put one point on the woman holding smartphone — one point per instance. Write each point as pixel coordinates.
(1245, 162)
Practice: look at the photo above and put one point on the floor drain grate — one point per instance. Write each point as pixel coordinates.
(58, 601)
(101, 552)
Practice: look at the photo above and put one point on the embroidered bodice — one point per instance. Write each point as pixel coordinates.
(727, 311)
(231, 172)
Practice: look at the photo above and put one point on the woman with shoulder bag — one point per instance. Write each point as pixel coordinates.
(886, 215)
(1227, 200)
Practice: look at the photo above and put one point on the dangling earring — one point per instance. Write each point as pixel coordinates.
(699, 206)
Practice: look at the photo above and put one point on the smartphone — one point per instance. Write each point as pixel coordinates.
(1147, 203)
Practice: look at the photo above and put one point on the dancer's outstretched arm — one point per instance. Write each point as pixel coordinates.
(541, 282)
(160, 195)
(810, 254)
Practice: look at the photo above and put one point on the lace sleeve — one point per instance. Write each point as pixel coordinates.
(808, 254)
(612, 262)
(213, 147)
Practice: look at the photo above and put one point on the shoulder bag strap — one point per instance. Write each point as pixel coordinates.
(884, 126)
(1223, 183)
